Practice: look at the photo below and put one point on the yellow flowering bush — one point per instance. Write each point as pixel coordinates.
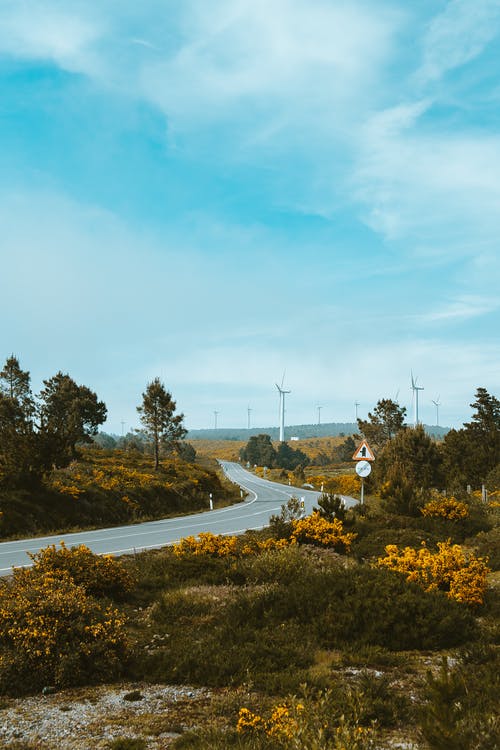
(53, 633)
(315, 529)
(282, 724)
(206, 543)
(297, 727)
(219, 545)
(449, 569)
(448, 508)
(99, 575)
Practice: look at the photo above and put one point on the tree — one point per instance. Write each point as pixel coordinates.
(345, 450)
(69, 414)
(18, 462)
(259, 451)
(385, 422)
(15, 384)
(471, 453)
(161, 425)
(288, 458)
(406, 469)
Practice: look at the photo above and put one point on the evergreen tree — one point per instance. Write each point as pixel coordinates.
(69, 414)
(406, 469)
(18, 456)
(471, 453)
(386, 421)
(288, 458)
(259, 451)
(161, 425)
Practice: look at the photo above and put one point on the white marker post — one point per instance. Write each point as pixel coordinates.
(211, 502)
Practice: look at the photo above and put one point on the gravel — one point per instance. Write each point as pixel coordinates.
(85, 718)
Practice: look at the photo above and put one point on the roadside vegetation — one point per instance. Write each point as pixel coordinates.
(313, 645)
(348, 629)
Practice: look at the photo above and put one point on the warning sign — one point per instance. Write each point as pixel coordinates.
(363, 452)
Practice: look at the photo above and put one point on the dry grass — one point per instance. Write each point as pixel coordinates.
(228, 450)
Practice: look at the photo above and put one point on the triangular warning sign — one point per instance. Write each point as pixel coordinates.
(363, 452)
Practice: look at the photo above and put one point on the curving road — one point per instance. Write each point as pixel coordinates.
(264, 499)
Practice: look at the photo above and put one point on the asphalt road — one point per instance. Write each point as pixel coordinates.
(263, 500)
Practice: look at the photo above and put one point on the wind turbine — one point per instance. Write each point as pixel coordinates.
(249, 411)
(356, 404)
(437, 404)
(319, 413)
(216, 414)
(415, 388)
(282, 408)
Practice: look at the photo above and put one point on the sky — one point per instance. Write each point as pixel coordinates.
(223, 193)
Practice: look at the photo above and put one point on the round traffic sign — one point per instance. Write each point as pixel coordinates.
(363, 468)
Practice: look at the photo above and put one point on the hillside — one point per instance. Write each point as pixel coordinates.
(302, 431)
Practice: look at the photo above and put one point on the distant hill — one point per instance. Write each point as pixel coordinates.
(302, 431)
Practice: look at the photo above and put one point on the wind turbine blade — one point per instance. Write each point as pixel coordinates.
(412, 380)
(283, 378)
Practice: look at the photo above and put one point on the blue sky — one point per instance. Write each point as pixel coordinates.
(214, 192)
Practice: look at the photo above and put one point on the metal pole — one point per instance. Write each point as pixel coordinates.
(362, 491)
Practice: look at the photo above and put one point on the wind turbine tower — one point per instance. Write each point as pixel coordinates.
(319, 414)
(437, 404)
(282, 409)
(415, 388)
(356, 404)
(249, 411)
(216, 414)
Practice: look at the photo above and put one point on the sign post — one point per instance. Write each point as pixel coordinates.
(363, 455)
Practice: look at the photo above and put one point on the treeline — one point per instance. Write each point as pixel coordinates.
(409, 463)
(55, 476)
(40, 432)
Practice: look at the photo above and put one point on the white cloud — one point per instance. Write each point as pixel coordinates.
(463, 308)
(435, 186)
(49, 31)
(458, 35)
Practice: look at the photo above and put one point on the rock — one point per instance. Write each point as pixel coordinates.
(134, 695)
(49, 690)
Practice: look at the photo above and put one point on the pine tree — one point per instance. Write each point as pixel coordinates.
(161, 425)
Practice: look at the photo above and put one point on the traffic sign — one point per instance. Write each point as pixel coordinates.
(363, 452)
(363, 469)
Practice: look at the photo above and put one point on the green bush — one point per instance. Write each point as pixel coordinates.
(374, 544)
(128, 743)
(386, 610)
(487, 544)
(460, 707)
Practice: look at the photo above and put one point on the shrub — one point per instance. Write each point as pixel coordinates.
(311, 724)
(331, 506)
(448, 508)
(219, 545)
(379, 607)
(98, 575)
(53, 632)
(487, 545)
(315, 529)
(462, 578)
(460, 708)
